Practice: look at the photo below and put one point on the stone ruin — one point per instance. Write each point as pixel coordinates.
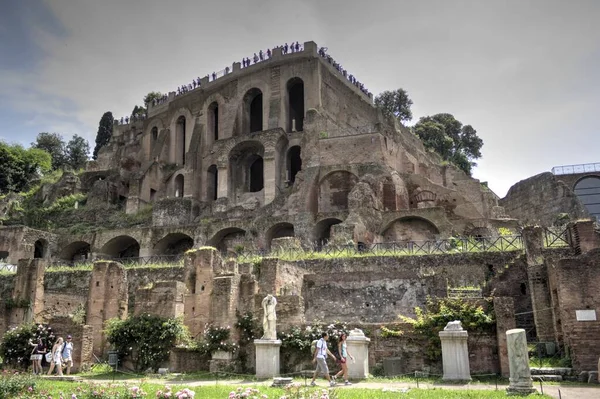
(288, 156)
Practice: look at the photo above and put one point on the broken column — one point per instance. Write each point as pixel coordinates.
(358, 346)
(518, 358)
(455, 353)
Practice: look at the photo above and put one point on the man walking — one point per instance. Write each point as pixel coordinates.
(320, 357)
(67, 354)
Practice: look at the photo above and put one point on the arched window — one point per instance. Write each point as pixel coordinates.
(253, 111)
(294, 163)
(255, 174)
(213, 120)
(588, 192)
(180, 141)
(295, 91)
(213, 181)
(154, 134)
(179, 186)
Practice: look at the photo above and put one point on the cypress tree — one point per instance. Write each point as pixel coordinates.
(105, 130)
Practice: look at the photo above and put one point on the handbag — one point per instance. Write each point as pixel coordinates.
(49, 357)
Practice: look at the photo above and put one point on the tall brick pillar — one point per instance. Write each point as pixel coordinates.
(222, 183)
(505, 320)
(583, 236)
(537, 274)
(198, 278)
(27, 300)
(107, 299)
(270, 178)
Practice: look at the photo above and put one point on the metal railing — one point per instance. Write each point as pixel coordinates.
(556, 237)
(400, 248)
(574, 169)
(129, 262)
(7, 268)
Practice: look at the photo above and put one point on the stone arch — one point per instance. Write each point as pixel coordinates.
(279, 230)
(78, 251)
(587, 190)
(334, 189)
(173, 244)
(180, 140)
(293, 163)
(180, 135)
(295, 104)
(179, 186)
(122, 246)
(410, 228)
(228, 239)
(212, 183)
(322, 231)
(213, 120)
(40, 248)
(246, 172)
(252, 116)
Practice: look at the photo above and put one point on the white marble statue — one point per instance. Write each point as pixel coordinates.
(269, 317)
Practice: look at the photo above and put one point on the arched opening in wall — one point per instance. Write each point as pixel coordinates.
(480, 233)
(253, 111)
(154, 135)
(40, 248)
(279, 230)
(4, 255)
(173, 244)
(255, 172)
(121, 247)
(334, 189)
(295, 91)
(78, 251)
(231, 239)
(180, 134)
(322, 232)
(179, 186)
(246, 167)
(212, 183)
(588, 192)
(294, 163)
(410, 229)
(213, 120)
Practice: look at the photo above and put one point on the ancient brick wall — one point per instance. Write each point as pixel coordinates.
(164, 298)
(83, 341)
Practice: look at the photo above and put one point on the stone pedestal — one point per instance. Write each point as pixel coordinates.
(358, 346)
(267, 357)
(455, 353)
(518, 359)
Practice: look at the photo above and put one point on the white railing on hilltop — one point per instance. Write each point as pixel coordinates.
(574, 169)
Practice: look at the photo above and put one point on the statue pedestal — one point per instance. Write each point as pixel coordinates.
(267, 357)
(358, 346)
(455, 355)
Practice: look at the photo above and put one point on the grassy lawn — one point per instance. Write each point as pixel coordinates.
(83, 390)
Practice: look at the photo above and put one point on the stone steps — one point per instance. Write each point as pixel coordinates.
(563, 371)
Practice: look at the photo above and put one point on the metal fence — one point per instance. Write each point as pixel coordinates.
(7, 268)
(556, 237)
(574, 169)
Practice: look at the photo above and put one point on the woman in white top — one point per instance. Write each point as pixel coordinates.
(56, 357)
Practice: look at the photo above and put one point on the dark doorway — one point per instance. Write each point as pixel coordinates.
(152, 194)
(256, 114)
(256, 175)
(296, 105)
(213, 120)
(323, 232)
(294, 162)
(154, 135)
(213, 181)
(180, 140)
(179, 186)
(39, 248)
(4, 255)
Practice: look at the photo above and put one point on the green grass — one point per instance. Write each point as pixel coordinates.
(55, 388)
(88, 266)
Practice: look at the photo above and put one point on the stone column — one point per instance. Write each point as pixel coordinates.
(267, 357)
(505, 320)
(358, 346)
(222, 183)
(455, 353)
(520, 375)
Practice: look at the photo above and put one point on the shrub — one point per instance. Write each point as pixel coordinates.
(12, 384)
(146, 338)
(17, 342)
(216, 339)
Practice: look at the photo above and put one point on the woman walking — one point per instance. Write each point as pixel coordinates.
(57, 357)
(343, 353)
(39, 349)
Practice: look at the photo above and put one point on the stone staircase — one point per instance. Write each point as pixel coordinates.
(551, 373)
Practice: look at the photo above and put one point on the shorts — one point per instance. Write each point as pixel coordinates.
(322, 366)
(67, 360)
(36, 357)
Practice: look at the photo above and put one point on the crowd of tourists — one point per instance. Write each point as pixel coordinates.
(125, 120)
(351, 78)
(59, 357)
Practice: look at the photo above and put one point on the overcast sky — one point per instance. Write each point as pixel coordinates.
(524, 74)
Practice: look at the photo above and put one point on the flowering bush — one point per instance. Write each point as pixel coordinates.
(13, 383)
(216, 339)
(292, 391)
(185, 394)
(147, 339)
(248, 393)
(16, 343)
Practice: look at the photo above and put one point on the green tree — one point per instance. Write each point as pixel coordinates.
(105, 130)
(448, 137)
(77, 153)
(153, 95)
(138, 111)
(54, 145)
(395, 103)
(21, 167)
